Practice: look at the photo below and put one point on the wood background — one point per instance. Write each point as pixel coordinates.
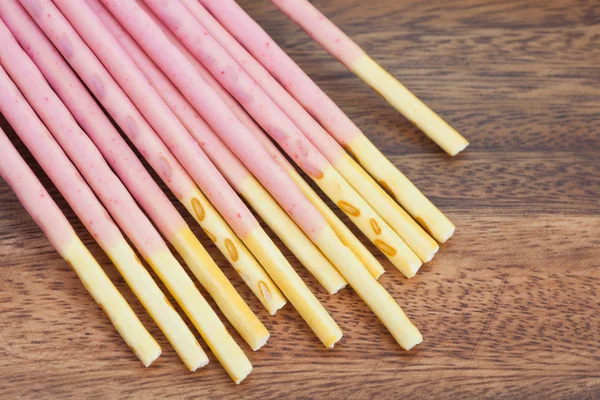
(510, 305)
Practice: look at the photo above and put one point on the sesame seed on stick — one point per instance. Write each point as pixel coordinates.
(415, 237)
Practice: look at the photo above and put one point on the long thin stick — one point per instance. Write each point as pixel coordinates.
(189, 153)
(63, 238)
(341, 230)
(193, 35)
(235, 172)
(129, 217)
(337, 123)
(95, 218)
(339, 45)
(92, 119)
(255, 157)
(142, 187)
(402, 223)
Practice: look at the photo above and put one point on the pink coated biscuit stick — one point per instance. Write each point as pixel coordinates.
(145, 190)
(221, 118)
(59, 30)
(168, 126)
(158, 46)
(80, 150)
(63, 238)
(119, 202)
(235, 172)
(116, 151)
(315, 101)
(414, 236)
(97, 221)
(281, 128)
(345, 235)
(332, 39)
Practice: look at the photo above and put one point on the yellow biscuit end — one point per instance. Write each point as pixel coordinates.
(111, 301)
(242, 260)
(292, 236)
(157, 305)
(364, 217)
(206, 321)
(372, 293)
(403, 190)
(409, 231)
(220, 289)
(409, 105)
(311, 310)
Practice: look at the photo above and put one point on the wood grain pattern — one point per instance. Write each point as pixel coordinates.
(509, 307)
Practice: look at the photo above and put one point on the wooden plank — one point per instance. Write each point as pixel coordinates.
(510, 305)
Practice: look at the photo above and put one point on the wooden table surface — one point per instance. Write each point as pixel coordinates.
(509, 307)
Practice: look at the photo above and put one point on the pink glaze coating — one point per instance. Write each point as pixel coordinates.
(79, 148)
(34, 197)
(56, 164)
(110, 95)
(283, 68)
(223, 67)
(209, 141)
(232, 103)
(91, 118)
(175, 65)
(89, 68)
(299, 116)
(318, 27)
(158, 114)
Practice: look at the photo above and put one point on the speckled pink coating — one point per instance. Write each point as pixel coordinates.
(223, 67)
(158, 114)
(56, 164)
(114, 100)
(143, 95)
(318, 27)
(175, 65)
(283, 68)
(80, 149)
(215, 149)
(303, 120)
(36, 200)
(91, 118)
(232, 103)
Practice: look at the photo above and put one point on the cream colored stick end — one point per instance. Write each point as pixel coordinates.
(293, 287)
(409, 105)
(111, 301)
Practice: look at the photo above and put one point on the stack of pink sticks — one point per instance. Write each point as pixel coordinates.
(208, 99)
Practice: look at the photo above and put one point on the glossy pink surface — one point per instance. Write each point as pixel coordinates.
(250, 95)
(179, 70)
(91, 118)
(283, 68)
(158, 114)
(318, 27)
(79, 148)
(56, 164)
(232, 103)
(115, 101)
(36, 200)
(217, 151)
(146, 99)
(299, 116)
